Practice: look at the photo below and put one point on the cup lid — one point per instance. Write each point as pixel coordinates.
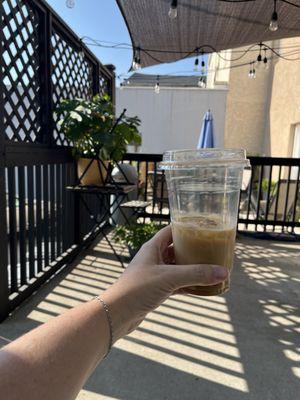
(174, 159)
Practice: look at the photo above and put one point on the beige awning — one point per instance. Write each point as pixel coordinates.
(214, 24)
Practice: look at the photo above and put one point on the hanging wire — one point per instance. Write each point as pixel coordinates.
(251, 1)
(148, 52)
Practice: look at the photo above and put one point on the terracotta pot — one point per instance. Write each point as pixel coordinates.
(92, 177)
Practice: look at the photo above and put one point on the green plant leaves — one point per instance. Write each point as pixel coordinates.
(88, 124)
(135, 235)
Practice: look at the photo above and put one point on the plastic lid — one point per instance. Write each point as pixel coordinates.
(174, 159)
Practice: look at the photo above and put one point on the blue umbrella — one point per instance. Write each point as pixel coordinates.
(206, 139)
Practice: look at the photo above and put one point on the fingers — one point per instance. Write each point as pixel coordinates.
(199, 275)
(163, 238)
(168, 255)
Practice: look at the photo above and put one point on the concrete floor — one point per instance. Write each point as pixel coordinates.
(242, 346)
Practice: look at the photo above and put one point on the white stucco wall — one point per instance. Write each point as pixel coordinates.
(172, 119)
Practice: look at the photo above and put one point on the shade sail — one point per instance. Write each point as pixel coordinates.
(209, 23)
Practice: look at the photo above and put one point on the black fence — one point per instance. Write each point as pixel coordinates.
(269, 201)
(42, 61)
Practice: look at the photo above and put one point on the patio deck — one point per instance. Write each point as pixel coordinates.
(245, 345)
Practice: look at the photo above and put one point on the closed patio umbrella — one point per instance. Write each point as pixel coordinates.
(206, 138)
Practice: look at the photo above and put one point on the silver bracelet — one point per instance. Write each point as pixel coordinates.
(109, 320)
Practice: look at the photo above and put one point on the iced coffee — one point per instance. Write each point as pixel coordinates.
(204, 239)
(204, 189)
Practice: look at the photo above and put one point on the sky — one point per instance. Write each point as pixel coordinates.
(102, 20)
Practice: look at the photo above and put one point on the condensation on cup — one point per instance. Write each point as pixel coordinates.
(204, 189)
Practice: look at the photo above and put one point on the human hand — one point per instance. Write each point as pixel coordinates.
(150, 279)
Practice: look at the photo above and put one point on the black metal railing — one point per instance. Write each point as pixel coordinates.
(270, 195)
(270, 198)
(42, 61)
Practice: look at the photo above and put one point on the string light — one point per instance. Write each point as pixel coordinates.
(201, 82)
(259, 58)
(156, 87)
(173, 10)
(136, 63)
(274, 19)
(196, 62)
(70, 3)
(266, 64)
(252, 72)
(203, 69)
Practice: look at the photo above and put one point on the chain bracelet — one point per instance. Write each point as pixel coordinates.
(109, 320)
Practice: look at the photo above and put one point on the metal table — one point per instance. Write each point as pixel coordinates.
(102, 193)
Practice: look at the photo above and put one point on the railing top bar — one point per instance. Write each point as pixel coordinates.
(69, 34)
(142, 157)
(288, 161)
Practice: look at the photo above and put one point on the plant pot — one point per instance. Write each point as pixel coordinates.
(92, 176)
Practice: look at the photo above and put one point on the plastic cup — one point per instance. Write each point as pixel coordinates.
(204, 188)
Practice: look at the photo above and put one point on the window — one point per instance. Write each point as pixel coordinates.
(296, 151)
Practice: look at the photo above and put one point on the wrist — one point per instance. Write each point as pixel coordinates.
(121, 313)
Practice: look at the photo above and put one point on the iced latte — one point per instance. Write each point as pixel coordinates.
(204, 240)
(204, 190)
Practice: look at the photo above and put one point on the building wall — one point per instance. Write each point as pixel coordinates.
(248, 102)
(173, 118)
(261, 113)
(285, 103)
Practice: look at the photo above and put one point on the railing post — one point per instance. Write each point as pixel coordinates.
(46, 80)
(77, 219)
(4, 290)
(96, 78)
(112, 82)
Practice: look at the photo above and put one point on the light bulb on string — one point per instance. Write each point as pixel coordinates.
(156, 87)
(274, 19)
(70, 3)
(201, 83)
(173, 10)
(196, 64)
(259, 58)
(250, 74)
(203, 68)
(136, 63)
(265, 60)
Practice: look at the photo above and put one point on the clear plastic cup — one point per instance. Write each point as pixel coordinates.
(204, 188)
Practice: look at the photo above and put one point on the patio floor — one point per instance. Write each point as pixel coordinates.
(245, 345)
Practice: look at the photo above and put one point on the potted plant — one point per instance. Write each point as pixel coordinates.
(95, 132)
(135, 235)
(265, 187)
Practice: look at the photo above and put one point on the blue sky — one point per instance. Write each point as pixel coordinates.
(102, 20)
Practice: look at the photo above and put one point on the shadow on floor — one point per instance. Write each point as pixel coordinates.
(244, 345)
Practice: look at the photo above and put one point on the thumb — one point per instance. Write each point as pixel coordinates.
(200, 275)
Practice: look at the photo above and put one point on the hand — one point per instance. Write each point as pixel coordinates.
(150, 279)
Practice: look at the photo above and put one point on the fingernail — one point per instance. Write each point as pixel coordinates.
(220, 272)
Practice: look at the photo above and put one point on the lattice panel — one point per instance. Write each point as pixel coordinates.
(104, 84)
(20, 63)
(71, 77)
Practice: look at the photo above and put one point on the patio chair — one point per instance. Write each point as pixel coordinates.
(284, 200)
(244, 192)
(159, 186)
